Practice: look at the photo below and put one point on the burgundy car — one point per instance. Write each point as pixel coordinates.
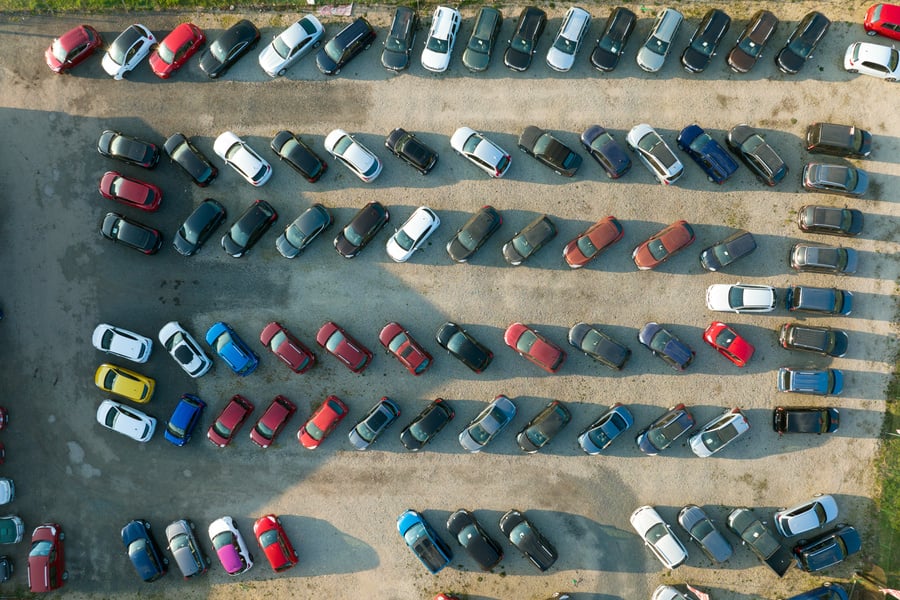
(229, 421)
(46, 560)
(659, 248)
(288, 348)
(132, 192)
(272, 421)
(176, 49)
(401, 344)
(339, 344)
(535, 347)
(274, 543)
(72, 47)
(598, 237)
(322, 422)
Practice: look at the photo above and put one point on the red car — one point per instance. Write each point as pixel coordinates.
(729, 344)
(133, 192)
(322, 422)
(176, 49)
(72, 48)
(272, 421)
(659, 248)
(401, 344)
(229, 421)
(535, 347)
(46, 561)
(339, 344)
(598, 237)
(285, 346)
(883, 19)
(274, 543)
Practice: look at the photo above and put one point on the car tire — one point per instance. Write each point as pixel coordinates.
(872, 33)
(65, 575)
(62, 535)
(147, 524)
(889, 79)
(282, 72)
(853, 70)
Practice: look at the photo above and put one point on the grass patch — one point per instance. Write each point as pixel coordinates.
(889, 476)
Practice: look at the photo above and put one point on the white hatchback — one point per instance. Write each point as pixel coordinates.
(127, 51)
(412, 234)
(873, 59)
(230, 546)
(126, 420)
(740, 298)
(487, 156)
(242, 158)
(354, 155)
(440, 40)
(121, 342)
(184, 349)
(659, 537)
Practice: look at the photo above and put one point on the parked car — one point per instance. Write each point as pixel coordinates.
(275, 543)
(740, 298)
(463, 347)
(361, 161)
(184, 419)
(663, 432)
(229, 545)
(845, 221)
(270, 424)
(523, 44)
(548, 150)
(754, 533)
(601, 145)
(400, 343)
(406, 146)
(611, 43)
(822, 340)
(707, 153)
(543, 427)
(599, 346)
(522, 534)
(122, 343)
(474, 233)
(834, 179)
(827, 591)
(701, 529)
(721, 254)
(728, 343)
(424, 542)
(343, 347)
(143, 551)
(291, 45)
(350, 41)
(12, 529)
(702, 47)
(838, 140)
(666, 346)
(802, 42)
(655, 153)
(229, 421)
(821, 382)
(128, 149)
(752, 41)
(235, 42)
(126, 420)
(301, 232)
(826, 301)
(658, 536)
(805, 419)
(129, 191)
(72, 48)
(572, 31)
(184, 154)
(663, 245)
(474, 539)
(480, 47)
(229, 346)
(485, 154)
(828, 549)
(364, 226)
(379, 418)
(806, 516)
(46, 558)
(669, 592)
(124, 383)
(130, 233)
(322, 422)
(176, 48)
(654, 51)
(182, 543)
(184, 349)
(602, 432)
(127, 51)
(294, 151)
(534, 347)
(528, 241)
(816, 258)
(243, 159)
(876, 60)
(719, 432)
(287, 347)
(597, 238)
(413, 234)
(249, 227)
(757, 154)
(426, 425)
(883, 19)
(441, 39)
(7, 490)
(488, 424)
(400, 39)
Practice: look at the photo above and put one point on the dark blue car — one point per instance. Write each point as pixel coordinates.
(707, 152)
(232, 349)
(181, 424)
(434, 553)
(829, 591)
(143, 551)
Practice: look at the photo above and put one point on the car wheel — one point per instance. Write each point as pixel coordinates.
(710, 179)
(65, 575)
(281, 72)
(192, 525)
(165, 560)
(62, 535)
(147, 524)
(317, 44)
(853, 70)
(367, 46)
(872, 32)
(889, 79)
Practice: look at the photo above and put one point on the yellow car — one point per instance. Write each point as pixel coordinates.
(124, 383)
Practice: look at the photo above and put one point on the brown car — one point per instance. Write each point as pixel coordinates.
(597, 238)
(659, 248)
(749, 45)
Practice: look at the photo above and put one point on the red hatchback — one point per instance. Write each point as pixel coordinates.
(883, 19)
(46, 561)
(535, 347)
(729, 344)
(598, 237)
(133, 192)
(72, 47)
(229, 421)
(659, 248)
(274, 543)
(285, 346)
(176, 49)
(339, 344)
(401, 344)
(272, 422)
(322, 422)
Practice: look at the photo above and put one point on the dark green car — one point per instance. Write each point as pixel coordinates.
(477, 54)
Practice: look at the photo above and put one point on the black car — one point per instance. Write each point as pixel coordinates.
(130, 233)
(406, 146)
(477, 54)
(400, 39)
(750, 43)
(838, 140)
(234, 43)
(291, 149)
(737, 245)
(805, 419)
(816, 258)
(827, 301)
(611, 43)
(379, 418)
(609, 153)
(663, 344)
(758, 155)
(249, 227)
(350, 41)
(462, 346)
(528, 241)
(803, 40)
(471, 236)
(524, 536)
(662, 433)
(144, 552)
(523, 45)
(427, 425)
(599, 346)
(541, 144)
(703, 44)
(471, 535)
(822, 340)
(198, 227)
(827, 549)
(364, 226)
(114, 144)
(754, 533)
(6, 568)
(303, 230)
(543, 427)
(832, 221)
(185, 155)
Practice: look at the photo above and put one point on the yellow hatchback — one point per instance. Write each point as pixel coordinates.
(124, 383)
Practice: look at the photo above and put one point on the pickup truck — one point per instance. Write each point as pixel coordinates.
(761, 540)
(824, 340)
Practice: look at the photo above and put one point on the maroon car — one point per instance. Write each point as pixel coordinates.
(339, 344)
(659, 248)
(132, 192)
(272, 421)
(285, 346)
(535, 347)
(401, 344)
(176, 49)
(46, 560)
(72, 47)
(598, 237)
(322, 422)
(229, 421)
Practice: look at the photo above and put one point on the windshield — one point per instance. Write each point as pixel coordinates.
(700, 143)
(166, 54)
(657, 249)
(565, 46)
(438, 45)
(403, 240)
(281, 49)
(656, 45)
(750, 47)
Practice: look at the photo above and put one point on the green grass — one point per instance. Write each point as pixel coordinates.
(889, 475)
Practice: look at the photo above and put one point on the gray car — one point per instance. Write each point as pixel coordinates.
(374, 423)
(477, 54)
(817, 258)
(528, 241)
(818, 382)
(835, 179)
(826, 301)
(653, 53)
(700, 528)
(182, 543)
(489, 422)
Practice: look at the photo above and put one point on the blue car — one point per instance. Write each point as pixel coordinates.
(829, 591)
(143, 551)
(232, 349)
(181, 424)
(601, 433)
(423, 541)
(707, 152)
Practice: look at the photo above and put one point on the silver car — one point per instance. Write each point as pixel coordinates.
(700, 527)
(806, 516)
(575, 25)
(291, 45)
(653, 53)
(182, 543)
(490, 422)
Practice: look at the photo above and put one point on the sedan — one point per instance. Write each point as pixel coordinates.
(830, 221)
(485, 154)
(180, 428)
(471, 535)
(524, 42)
(292, 150)
(655, 153)
(599, 346)
(322, 422)
(146, 557)
(229, 421)
(291, 45)
(243, 159)
(350, 41)
(441, 39)
(229, 545)
(124, 383)
(740, 298)
(379, 418)
(752, 40)
(301, 232)
(757, 154)
(274, 543)
(412, 234)
(272, 421)
(127, 51)
(523, 535)
(424, 542)
(701, 529)
(663, 344)
(805, 419)
(816, 258)
(572, 31)
(477, 55)
(286, 347)
(611, 43)
(185, 155)
(719, 432)
(663, 244)
(728, 343)
(488, 424)
(234, 43)
(46, 558)
(659, 537)
(534, 347)
(130, 233)
(707, 153)
(602, 432)
(597, 238)
(543, 427)
(131, 150)
(122, 343)
(828, 549)
(476, 231)
(400, 343)
(721, 254)
(462, 346)
(609, 153)
(184, 349)
(802, 42)
(702, 47)
(806, 516)
(364, 226)
(653, 53)
(130, 192)
(175, 49)
(128, 421)
(72, 48)
(339, 344)
(250, 226)
(198, 227)
(361, 161)
(400, 38)
(665, 430)
(407, 147)
(844, 180)
(426, 425)
(529, 240)
(548, 150)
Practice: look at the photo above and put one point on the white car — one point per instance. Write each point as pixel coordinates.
(126, 420)
(127, 51)
(719, 432)
(667, 592)
(412, 234)
(354, 155)
(653, 53)
(440, 40)
(574, 28)
(655, 153)
(242, 158)
(740, 298)
(7, 490)
(487, 156)
(873, 59)
(184, 349)
(291, 45)
(230, 546)
(659, 537)
(121, 342)
(806, 516)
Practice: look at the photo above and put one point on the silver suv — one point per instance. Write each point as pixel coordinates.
(653, 53)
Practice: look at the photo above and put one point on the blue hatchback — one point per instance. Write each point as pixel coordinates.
(143, 551)
(707, 152)
(232, 349)
(434, 553)
(181, 424)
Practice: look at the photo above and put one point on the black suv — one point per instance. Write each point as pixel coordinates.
(477, 54)
(705, 40)
(838, 140)
(610, 45)
(722, 254)
(750, 43)
(832, 221)
(523, 45)
(757, 154)
(400, 39)
(799, 47)
(828, 301)
(350, 41)
(405, 146)
(823, 340)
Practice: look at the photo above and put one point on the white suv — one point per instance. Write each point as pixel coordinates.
(575, 25)
(439, 43)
